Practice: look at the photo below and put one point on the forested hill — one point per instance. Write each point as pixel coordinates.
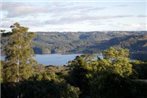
(88, 42)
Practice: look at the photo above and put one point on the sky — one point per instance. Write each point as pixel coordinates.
(75, 15)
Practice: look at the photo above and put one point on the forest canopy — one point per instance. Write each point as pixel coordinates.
(113, 76)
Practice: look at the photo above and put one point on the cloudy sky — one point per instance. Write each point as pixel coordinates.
(78, 15)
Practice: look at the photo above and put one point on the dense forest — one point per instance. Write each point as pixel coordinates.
(114, 76)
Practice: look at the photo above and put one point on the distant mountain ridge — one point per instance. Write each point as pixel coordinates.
(72, 41)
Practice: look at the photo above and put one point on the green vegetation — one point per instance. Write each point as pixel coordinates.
(90, 75)
(89, 42)
(19, 55)
(114, 76)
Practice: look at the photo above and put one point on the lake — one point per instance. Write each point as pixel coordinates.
(53, 59)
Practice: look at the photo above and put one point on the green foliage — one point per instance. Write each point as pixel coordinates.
(1, 71)
(120, 62)
(46, 82)
(114, 86)
(84, 77)
(140, 69)
(116, 53)
(39, 89)
(87, 72)
(19, 54)
(69, 91)
(56, 77)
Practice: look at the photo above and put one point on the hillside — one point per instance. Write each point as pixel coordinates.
(89, 42)
(73, 42)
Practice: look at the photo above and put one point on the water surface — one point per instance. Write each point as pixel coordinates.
(55, 59)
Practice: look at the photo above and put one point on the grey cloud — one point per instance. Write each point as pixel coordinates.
(60, 13)
(74, 19)
(20, 9)
(65, 20)
(122, 5)
(23, 9)
(142, 16)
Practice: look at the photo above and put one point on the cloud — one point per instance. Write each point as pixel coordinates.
(21, 9)
(69, 15)
(83, 18)
(142, 16)
(17, 9)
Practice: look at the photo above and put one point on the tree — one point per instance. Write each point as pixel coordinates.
(111, 74)
(80, 68)
(113, 53)
(18, 54)
(1, 79)
(120, 61)
(91, 75)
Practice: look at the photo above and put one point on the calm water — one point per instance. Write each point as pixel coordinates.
(53, 59)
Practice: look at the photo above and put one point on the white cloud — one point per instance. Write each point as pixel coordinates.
(74, 16)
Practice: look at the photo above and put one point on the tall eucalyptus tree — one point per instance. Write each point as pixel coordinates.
(19, 54)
